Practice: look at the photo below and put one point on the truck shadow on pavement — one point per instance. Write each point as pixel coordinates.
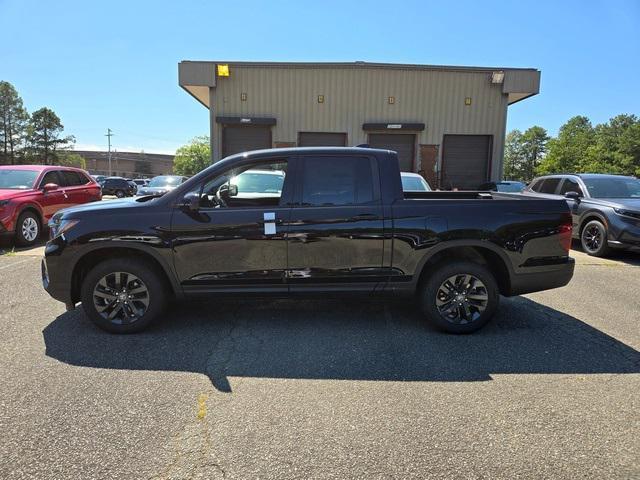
(342, 340)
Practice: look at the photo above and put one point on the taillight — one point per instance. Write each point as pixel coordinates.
(566, 229)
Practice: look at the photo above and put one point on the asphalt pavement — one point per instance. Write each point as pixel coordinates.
(325, 388)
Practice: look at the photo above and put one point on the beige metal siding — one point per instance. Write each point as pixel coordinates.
(353, 96)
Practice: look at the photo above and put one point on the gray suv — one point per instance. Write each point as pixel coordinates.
(605, 208)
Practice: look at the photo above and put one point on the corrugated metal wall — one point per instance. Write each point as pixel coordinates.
(353, 96)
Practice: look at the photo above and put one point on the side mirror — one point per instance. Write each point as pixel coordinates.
(573, 196)
(191, 202)
(228, 190)
(50, 186)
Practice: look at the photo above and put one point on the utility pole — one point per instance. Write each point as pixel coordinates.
(109, 135)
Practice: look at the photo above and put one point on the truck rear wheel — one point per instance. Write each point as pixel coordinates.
(123, 295)
(459, 297)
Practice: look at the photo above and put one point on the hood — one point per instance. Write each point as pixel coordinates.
(105, 206)
(154, 190)
(632, 204)
(9, 193)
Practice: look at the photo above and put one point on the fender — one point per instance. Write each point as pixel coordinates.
(461, 243)
(591, 213)
(144, 246)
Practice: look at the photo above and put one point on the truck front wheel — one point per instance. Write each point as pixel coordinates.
(123, 295)
(459, 297)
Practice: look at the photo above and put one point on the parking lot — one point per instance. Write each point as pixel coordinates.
(324, 389)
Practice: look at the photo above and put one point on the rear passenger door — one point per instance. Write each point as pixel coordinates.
(335, 234)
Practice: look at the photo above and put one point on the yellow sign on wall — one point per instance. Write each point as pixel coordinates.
(223, 70)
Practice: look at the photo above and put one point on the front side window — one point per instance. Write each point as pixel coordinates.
(50, 177)
(570, 185)
(17, 179)
(329, 181)
(257, 185)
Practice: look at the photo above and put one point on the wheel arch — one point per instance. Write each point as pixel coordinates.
(482, 253)
(590, 216)
(96, 255)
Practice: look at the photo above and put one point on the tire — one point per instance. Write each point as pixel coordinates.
(28, 229)
(437, 298)
(593, 239)
(120, 194)
(103, 298)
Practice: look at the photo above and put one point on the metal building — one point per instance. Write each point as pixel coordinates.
(445, 122)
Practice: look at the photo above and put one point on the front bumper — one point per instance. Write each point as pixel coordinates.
(543, 278)
(56, 277)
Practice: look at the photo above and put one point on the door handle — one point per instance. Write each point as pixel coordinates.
(364, 216)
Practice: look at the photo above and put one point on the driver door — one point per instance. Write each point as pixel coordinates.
(231, 244)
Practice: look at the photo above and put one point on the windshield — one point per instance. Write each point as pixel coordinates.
(168, 181)
(414, 184)
(510, 187)
(258, 182)
(17, 179)
(613, 187)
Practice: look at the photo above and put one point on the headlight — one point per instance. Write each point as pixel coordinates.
(58, 227)
(627, 213)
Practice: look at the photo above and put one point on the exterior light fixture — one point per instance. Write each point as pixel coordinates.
(320, 98)
(467, 101)
(391, 100)
(223, 70)
(497, 77)
(243, 96)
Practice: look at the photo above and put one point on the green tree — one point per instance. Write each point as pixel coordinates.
(566, 153)
(13, 123)
(523, 152)
(45, 140)
(193, 157)
(513, 155)
(71, 159)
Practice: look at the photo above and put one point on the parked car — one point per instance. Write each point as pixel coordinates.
(118, 186)
(99, 178)
(141, 182)
(341, 224)
(605, 208)
(161, 184)
(509, 186)
(31, 194)
(414, 182)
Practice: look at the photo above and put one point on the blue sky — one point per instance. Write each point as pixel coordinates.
(114, 64)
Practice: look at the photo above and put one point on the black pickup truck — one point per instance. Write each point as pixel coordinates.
(319, 221)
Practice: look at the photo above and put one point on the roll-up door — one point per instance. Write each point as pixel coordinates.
(242, 138)
(403, 143)
(322, 139)
(465, 161)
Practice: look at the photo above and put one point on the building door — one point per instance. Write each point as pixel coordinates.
(428, 163)
(402, 143)
(466, 160)
(322, 139)
(242, 138)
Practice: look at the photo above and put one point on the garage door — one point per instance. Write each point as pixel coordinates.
(465, 161)
(402, 143)
(322, 139)
(241, 138)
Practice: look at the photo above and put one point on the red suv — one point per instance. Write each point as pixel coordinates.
(31, 194)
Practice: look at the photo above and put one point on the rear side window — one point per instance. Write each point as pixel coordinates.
(570, 185)
(549, 185)
(71, 179)
(332, 180)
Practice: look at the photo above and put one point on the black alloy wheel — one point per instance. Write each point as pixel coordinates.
(459, 296)
(123, 295)
(594, 239)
